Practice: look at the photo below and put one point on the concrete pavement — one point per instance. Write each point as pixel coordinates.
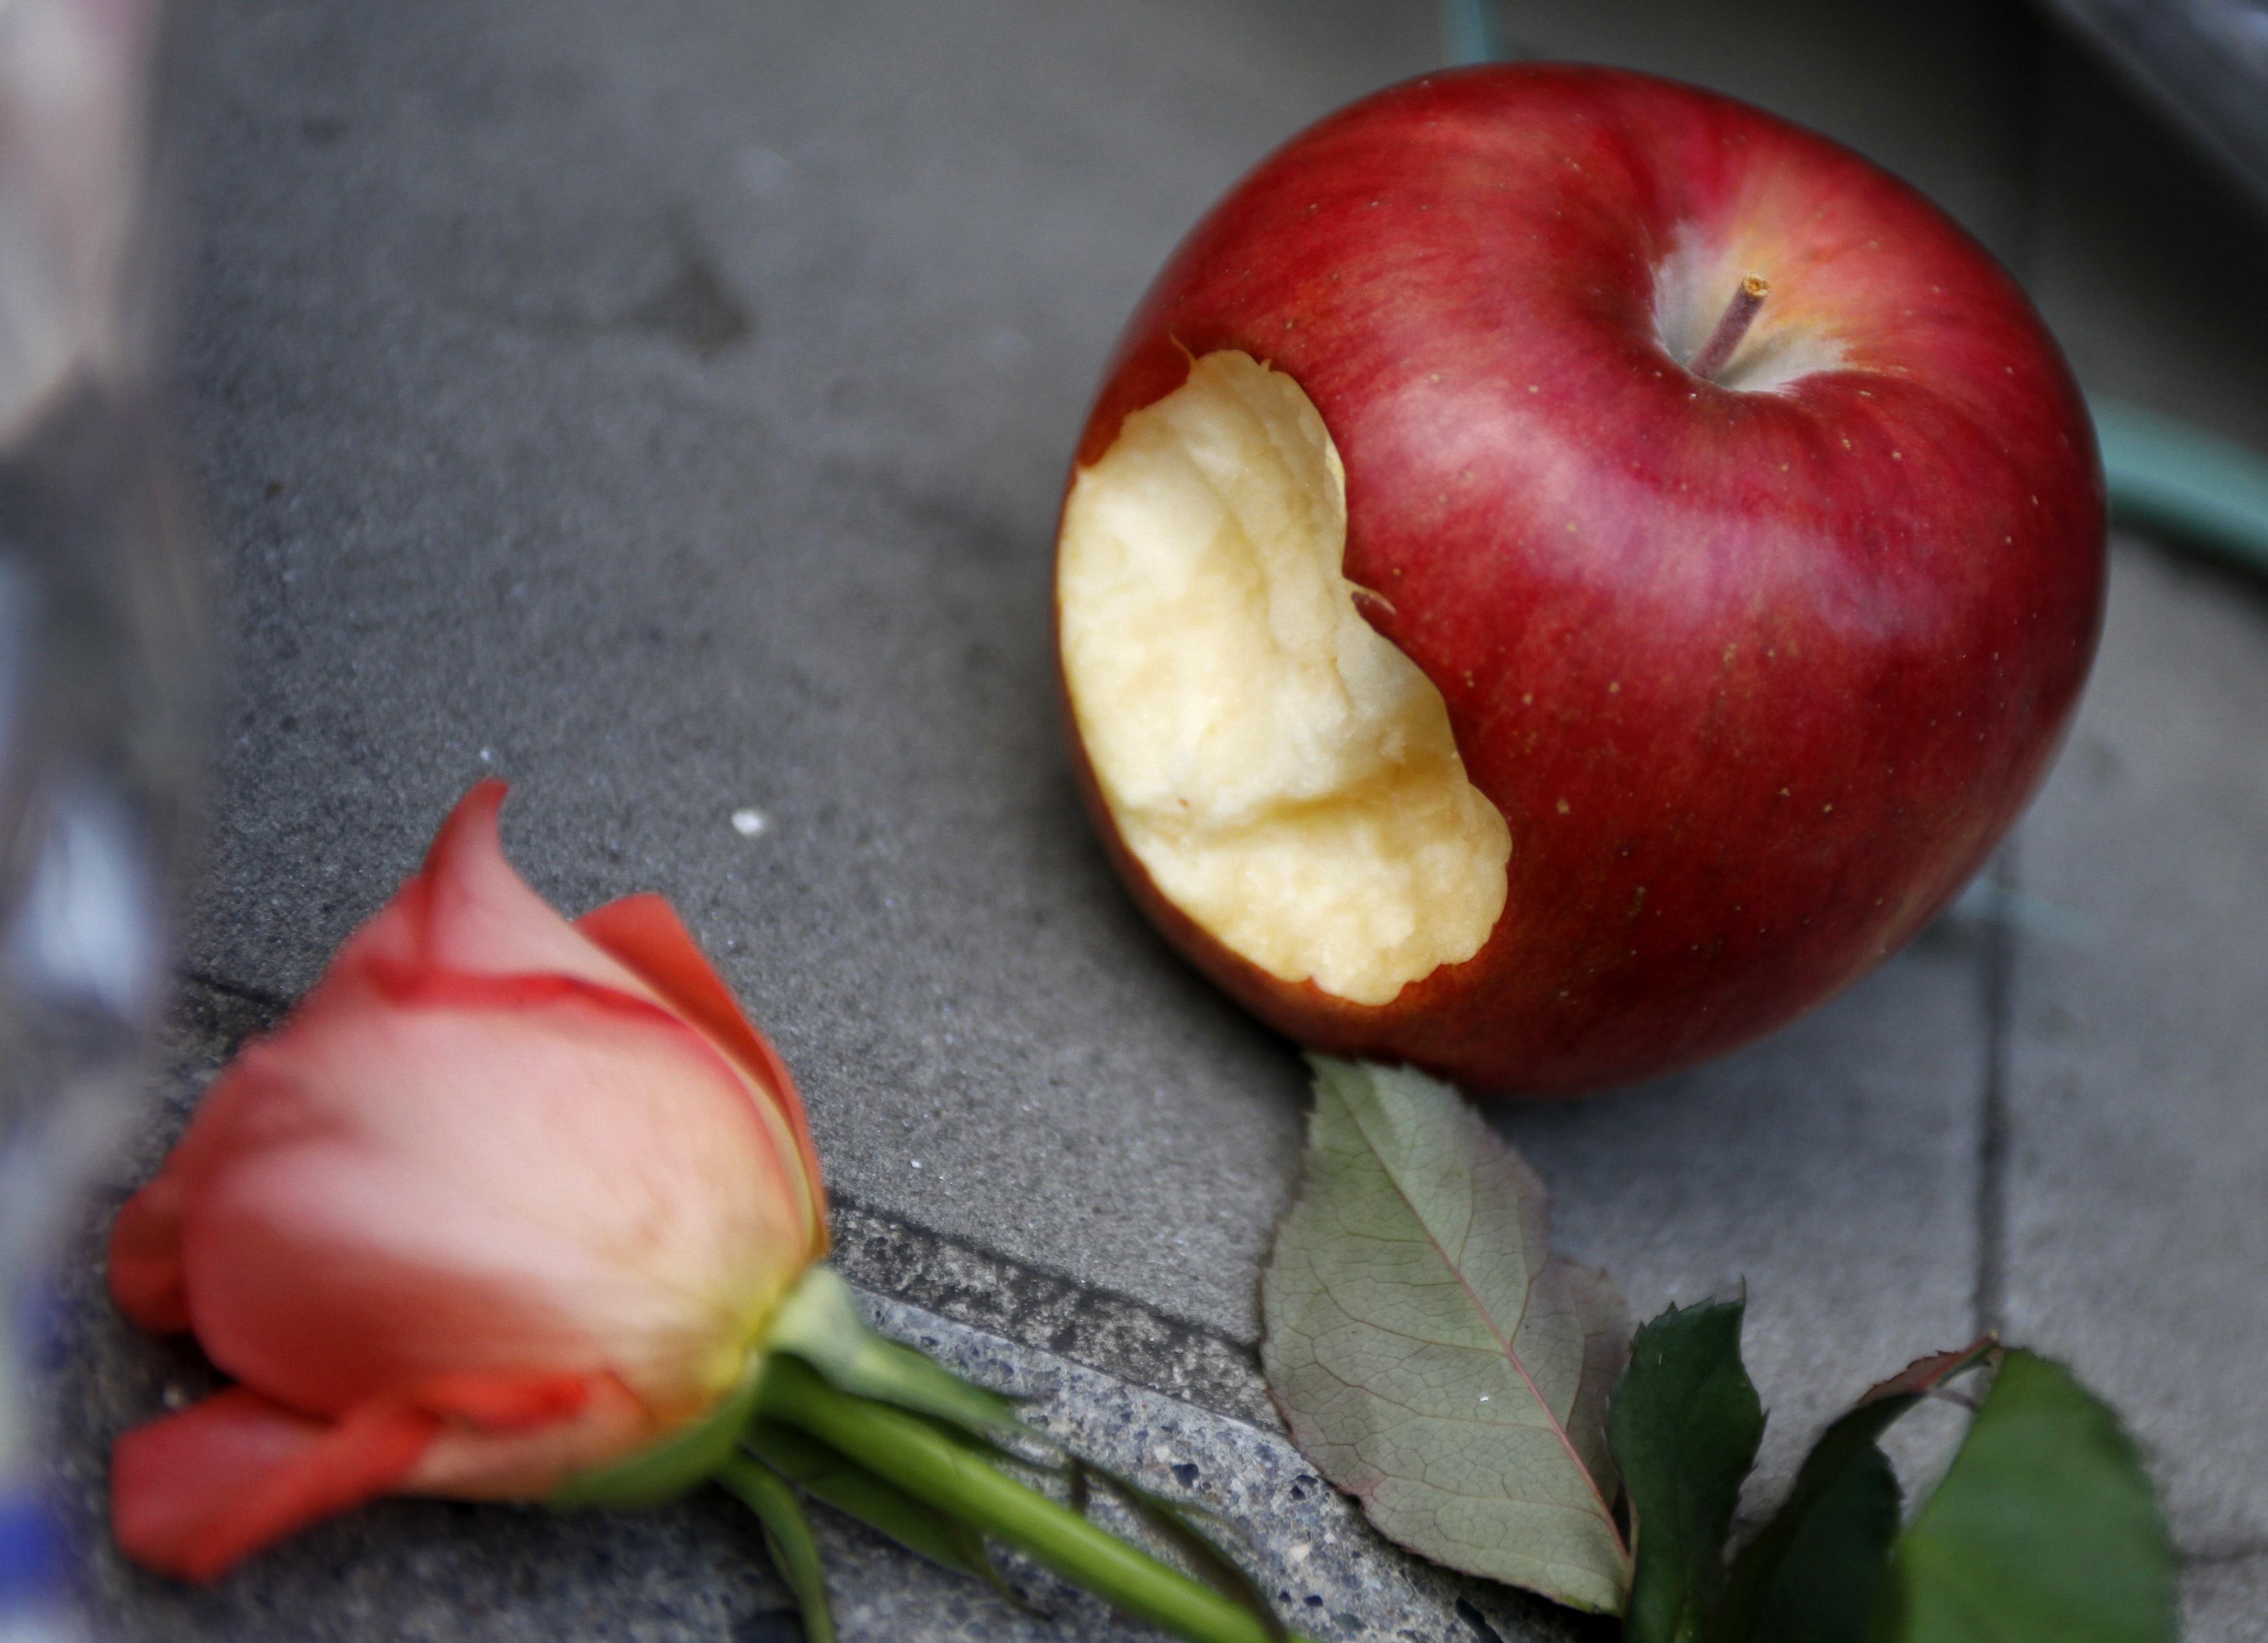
(666, 407)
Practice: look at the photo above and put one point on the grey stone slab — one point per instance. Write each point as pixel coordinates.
(2226, 1600)
(979, 1287)
(2139, 1060)
(1831, 1174)
(666, 407)
(669, 414)
(2137, 1142)
(1327, 1570)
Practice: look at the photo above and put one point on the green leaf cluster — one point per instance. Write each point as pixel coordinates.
(1433, 1358)
(2045, 1528)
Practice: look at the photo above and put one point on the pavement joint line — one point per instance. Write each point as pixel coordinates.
(2223, 1557)
(1997, 984)
(1097, 1327)
(236, 990)
(1306, 1542)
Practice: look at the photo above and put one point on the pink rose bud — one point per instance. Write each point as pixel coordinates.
(505, 1201)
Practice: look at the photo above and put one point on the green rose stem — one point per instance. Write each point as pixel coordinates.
(910, 1452)
(794, 1553)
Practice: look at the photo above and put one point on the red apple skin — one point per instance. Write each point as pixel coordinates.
(1756, 679)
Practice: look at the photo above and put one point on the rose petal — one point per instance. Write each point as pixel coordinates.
(575, 1181)
(491, 1460)
(646, 933)
(506, 1403)
(146, 1258)
(194, 1493)
(468, 910)
(502, 1203)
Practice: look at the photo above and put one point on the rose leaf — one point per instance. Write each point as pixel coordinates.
(2046, 1526)
(1823, 1589)
(1431, 1355)
(1684, 1424)
(1810, 1575)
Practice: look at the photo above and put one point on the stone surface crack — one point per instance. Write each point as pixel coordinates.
(1996, 978)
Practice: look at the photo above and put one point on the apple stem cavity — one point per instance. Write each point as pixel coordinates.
(1731, 328)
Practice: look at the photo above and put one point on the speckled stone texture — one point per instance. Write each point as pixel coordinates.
(666, 407)
(439, 1571)
(425, 1570)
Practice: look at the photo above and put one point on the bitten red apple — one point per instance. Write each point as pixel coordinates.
(1567, 571)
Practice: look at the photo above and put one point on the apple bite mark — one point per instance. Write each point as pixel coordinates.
(1285, 775)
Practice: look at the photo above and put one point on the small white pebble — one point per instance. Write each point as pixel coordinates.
(766, 172)
(488, 755)
(748, 823)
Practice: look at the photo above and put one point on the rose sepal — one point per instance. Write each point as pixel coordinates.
(820, 1322)
(676, 1466)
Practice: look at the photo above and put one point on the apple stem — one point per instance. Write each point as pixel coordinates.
(1730, 329)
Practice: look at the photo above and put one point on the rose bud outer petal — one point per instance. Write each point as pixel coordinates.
(495, 1459)
(146, 1279)
(506, 1403)
(488, 1175)
(466, 908)
(645, 933)
(195, 1492)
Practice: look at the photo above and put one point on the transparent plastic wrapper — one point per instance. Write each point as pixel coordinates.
(100, 679)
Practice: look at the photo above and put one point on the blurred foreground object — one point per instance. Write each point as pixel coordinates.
(97, 670)
(2204, 62)
(2163, 473)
